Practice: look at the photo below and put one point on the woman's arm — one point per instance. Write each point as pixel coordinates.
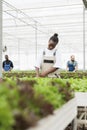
(37, 72)
(38, 64)
(50, 70)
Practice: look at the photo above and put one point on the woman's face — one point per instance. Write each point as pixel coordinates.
(51, 45)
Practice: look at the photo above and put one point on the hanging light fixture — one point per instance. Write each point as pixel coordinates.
(4, 48)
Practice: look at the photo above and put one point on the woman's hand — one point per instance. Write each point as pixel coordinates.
(43, 74)
(50, 70)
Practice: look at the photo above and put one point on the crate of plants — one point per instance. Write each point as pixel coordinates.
(31, 103)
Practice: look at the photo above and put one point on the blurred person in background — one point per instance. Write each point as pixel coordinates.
(7, 64)
(72, 64)
(49, 60)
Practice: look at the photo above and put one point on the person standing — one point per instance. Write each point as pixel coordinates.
(7, 64)
(49, 62)
(72, 64)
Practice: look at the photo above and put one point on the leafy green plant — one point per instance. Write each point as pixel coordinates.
(6, 107)
(29, 99)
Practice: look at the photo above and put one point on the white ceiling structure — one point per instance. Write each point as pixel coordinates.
(27, 26)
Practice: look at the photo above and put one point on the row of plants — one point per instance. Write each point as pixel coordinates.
(74, 75)
(19, 74)
(78, 85)
(24, 101)
(63, 74)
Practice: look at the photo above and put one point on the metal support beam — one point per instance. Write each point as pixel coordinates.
(0, 38)
(84, 45)
(19, 53)
(19, 12)
(36, 40)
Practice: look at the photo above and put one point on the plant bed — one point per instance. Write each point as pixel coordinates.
(63, 75)
(60, 119)
(26, 101)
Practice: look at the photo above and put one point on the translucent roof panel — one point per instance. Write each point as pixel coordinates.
(28, 25)
(42, 3)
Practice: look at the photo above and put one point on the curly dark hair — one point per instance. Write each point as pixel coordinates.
(54, 38)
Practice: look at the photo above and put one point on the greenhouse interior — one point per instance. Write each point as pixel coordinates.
(43, 65)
